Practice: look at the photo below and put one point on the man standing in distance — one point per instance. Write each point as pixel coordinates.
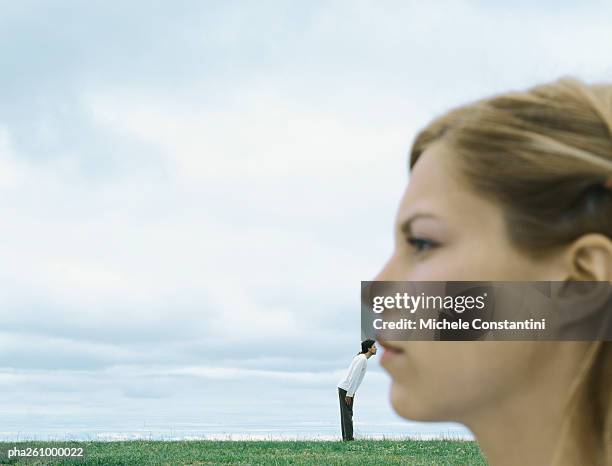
(349, 384)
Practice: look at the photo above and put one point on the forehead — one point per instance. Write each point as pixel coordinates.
(435, 187)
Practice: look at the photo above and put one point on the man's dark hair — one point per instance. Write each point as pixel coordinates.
(366, 345)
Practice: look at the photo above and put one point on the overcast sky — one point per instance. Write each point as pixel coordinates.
(192, 191)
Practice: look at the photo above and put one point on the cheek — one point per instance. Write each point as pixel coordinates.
(443, 265)
(475, 260)
(492, 257)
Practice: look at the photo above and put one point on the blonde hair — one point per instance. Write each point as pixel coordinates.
(544, 156)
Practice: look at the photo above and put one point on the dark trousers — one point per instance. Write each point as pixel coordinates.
(346, 415)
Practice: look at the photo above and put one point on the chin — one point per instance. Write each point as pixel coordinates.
(408, 406)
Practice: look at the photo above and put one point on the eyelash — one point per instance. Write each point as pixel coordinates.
(416, 242)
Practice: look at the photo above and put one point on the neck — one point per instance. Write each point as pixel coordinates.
(512, 433)
(525, 426)
(367, 354)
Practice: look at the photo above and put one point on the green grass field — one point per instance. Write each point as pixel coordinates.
(360, 452)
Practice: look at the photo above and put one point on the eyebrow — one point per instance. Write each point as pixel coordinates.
(406, 225)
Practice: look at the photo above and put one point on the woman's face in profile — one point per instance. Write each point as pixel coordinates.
(445, 232)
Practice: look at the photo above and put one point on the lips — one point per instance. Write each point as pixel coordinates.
(390, 352)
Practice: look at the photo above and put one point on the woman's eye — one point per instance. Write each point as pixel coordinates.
(421, 244)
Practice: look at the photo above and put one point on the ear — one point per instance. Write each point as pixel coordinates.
(589, 258)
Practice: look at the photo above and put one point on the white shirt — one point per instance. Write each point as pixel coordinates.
(354, 375)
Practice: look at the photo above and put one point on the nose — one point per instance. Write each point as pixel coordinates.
(386, 274)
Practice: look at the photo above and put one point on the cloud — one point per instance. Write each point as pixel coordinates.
(12, 174)
(191, 194)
